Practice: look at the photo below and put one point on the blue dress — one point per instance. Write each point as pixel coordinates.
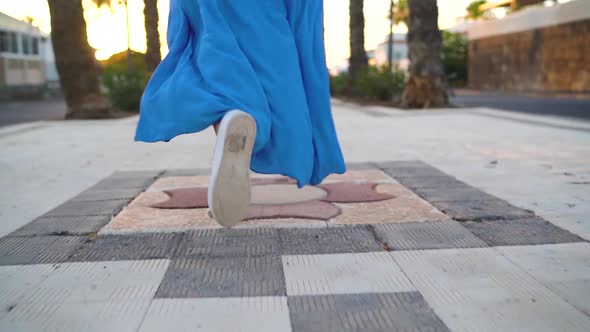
(264, 57)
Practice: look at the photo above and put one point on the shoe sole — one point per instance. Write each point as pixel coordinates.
(229, 185)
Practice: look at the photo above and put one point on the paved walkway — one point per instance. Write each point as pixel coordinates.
(445, 221)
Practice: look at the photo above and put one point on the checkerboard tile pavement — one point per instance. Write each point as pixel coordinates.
(460, 260)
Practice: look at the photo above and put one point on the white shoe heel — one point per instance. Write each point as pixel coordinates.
(229, 185)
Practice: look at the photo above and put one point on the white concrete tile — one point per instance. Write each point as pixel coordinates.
(481, 290)
(256, 314)
(88, 296)
(372, 272)
(563, 268)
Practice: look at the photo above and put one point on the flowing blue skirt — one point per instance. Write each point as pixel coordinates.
(265, 57)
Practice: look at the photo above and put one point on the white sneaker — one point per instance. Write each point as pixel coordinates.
(229, 185)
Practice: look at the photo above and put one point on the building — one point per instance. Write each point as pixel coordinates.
(400, 57)
(26, 56)
(537, 49)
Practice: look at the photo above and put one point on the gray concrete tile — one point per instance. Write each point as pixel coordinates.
(488, 209)
(229, 243)
(98, 208)
(453, 194)
(106, 195)
(127, 247)
(480, 290)
(186, 172)
(563, 268)
(124, 182)
(363, 312)
(38, 250)
(252, 314)
(309, 241)
(373, 272)
(79, 225)
(223, 277)
(528, 231)
(426, 235)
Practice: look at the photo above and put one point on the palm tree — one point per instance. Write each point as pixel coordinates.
(152, 55)
(358, 56)
(426, 86)
(76, 64)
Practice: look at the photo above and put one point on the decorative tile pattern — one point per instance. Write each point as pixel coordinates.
(529, 231)
(303, 241)
(480, 290)
(223, 277)
(363, 312)
(37, 250)
(80, 225)
(81, 296)
(318, 210)
(254, 242)
(253, 314)
(126, 247)
(355, 273)
(427, 235)
(563, 268)
(406, 207)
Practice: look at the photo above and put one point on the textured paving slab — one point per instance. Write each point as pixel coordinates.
(76, 209)
(95, 296)
(344, 274)
(363, 312)
(303, 241)
(229, 243)
(17, 280)
(488, 209)
(481, 290)
(223, 277)
(126, 247)
(38, 250)
(529, 231)
(253, 314)
(405, 207)
(79, 225)
(563, 268)
(92, 195)
(453, 194)
(427, 235)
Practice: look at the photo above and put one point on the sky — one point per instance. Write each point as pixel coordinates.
(107, 32)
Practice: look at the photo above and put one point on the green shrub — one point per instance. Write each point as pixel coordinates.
(124, 86)
(455, 51)
(374, 84)
(380, 83)
(339, 84)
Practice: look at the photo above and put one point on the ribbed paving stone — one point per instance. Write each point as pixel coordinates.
(107, 195)
(74, 209)
(563, 268)
(302, 241)
(480, 290)
(127, 247)
(481, 210)
(374, 272)
(529, 231)
(427, 235)
(98, 296)
(253, 314)
(38, 250)
(453, 194)
(363, 312)
(229, 243)
(124, 182)
(79, 225)
(223, 277)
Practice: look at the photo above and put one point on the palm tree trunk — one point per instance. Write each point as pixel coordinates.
(76, 65)
(152, 55)
(426, 86)
(358, 57)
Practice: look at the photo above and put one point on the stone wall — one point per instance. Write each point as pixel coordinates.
(550, 59)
